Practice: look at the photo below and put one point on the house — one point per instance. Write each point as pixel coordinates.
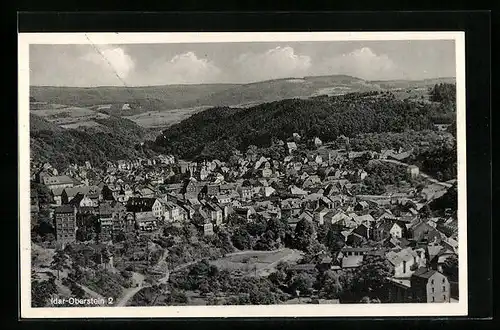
(366, 219)
(245, 192)
(334, 217)
(412, 171)
(172, 211)
(347, 251)
(208, 229)
(306, 215)
(421, 231)
(215, 212)
(401, 155)
(147, 211)
(91, 192)
(57, 195)
(433, 191)
(441, 127)
(317, 142)
(65, 221)
(113, 219)
(362, 205)
(352, 261)
(363, 230)
(430, 286)
(222, 199)
(294, 190)
(291, 146)
(319, 215)
(267, 172)
(62, 181)
(81, 201)
(405, 262)
(267, 191)
(389, 227)
(209, 190)
(192, 189)
(355, 240)
(245, 212)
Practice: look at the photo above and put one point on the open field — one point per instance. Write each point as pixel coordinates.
(154, 119)
(70, 117)
(260, 263)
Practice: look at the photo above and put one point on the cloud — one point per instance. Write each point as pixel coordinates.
(79, 65)
(279, 62)
(112, 60)
(185, 68)
(362, 63)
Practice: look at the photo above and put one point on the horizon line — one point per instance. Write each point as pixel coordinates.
(246, 83)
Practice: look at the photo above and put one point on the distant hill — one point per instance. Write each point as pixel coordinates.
(170, 97)
(279, 89)
(215, 132)
(150, 98)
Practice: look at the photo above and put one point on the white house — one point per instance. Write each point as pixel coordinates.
(396, 231)
(405, 262)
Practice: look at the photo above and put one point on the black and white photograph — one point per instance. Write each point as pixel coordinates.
(229, 174)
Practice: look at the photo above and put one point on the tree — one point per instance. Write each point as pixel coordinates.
(241, 239)
(302, 282)
(371, 276)
(426, 212)
(41, 291)
(106, 256)
(59, 261)
(331, 286)
(334, 240)
(450, 268)
(304, 233)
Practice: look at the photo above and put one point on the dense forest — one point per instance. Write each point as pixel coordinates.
(61, 147)
(214, 133)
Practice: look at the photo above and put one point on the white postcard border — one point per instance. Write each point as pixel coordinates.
(335, 310)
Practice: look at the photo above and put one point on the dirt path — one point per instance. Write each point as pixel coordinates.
(129, 293)
(294, 255)
(422, 174)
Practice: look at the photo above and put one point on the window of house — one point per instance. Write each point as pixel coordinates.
(432, 281)
(444, 280)
(444, 297)
(432, 298)
(444, 288)
(432, 290)
(404, 267)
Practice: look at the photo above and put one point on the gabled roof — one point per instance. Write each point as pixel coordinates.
(91, 191)
(398, 257)
(424, 273)
(352, 261)
(64, 209)
(77, 199)
(54, 180)
(140, 204)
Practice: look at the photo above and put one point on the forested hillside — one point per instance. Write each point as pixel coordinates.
(206, 134)
(150, 98)
(60, 147)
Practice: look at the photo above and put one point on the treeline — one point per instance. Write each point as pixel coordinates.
(444, 93)
(214, 133)
(120, 139)
(416, 140)
(439, 161)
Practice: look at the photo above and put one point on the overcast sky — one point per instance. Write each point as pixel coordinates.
(163, 64)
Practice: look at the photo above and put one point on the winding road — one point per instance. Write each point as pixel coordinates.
(129, 293)
(422, 174)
